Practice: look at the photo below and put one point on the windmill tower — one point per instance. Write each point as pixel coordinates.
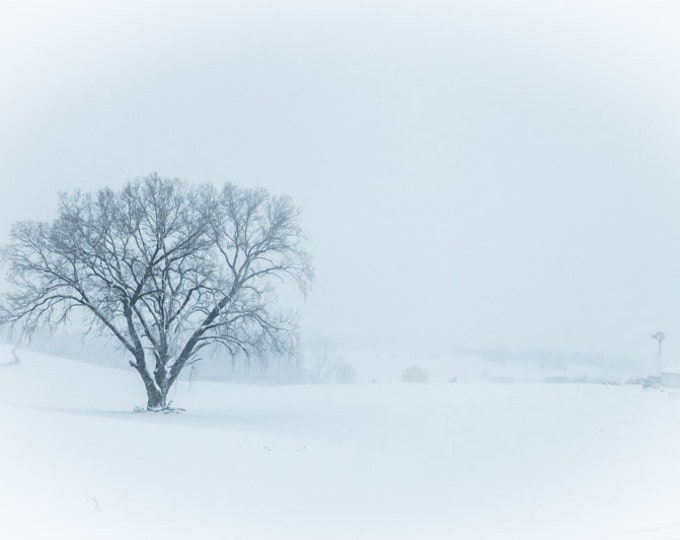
(659, 337)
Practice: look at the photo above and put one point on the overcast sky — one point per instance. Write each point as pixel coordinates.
(471, 173)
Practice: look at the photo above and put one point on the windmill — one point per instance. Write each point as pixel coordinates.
(659, 337)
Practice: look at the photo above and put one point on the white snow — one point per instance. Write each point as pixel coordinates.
(366, 461)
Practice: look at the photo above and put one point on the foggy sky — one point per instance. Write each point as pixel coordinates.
(470, 173)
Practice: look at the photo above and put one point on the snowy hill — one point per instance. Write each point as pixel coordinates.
(365, 461)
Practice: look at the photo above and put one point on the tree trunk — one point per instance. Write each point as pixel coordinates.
(155, 398)
(156, 394)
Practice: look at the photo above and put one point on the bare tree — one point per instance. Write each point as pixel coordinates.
(165, 268)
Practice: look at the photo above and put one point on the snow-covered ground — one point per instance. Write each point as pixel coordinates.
(471, 460)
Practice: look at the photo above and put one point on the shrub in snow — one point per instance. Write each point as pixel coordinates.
(414, 374)
(345, 373)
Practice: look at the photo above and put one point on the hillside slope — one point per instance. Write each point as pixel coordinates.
(370, 461)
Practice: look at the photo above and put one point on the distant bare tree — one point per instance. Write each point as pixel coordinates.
(165, 268)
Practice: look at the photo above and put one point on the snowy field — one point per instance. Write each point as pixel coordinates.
(365, 461)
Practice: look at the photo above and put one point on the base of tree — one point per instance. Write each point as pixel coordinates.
(166, 409)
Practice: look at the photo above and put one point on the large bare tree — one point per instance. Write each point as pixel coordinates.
(165, 267)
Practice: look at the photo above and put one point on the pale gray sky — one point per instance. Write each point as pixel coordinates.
(471, 172)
